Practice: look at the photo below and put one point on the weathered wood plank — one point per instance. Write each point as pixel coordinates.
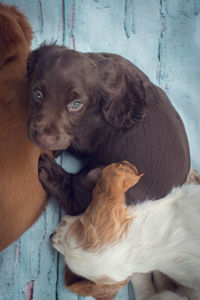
(44, 16)
(180, 71)
(129, 28)
(29, 264)
(160, 37)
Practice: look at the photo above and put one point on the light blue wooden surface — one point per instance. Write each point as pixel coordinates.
(162, 37)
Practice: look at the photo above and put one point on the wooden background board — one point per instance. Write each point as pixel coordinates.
(162, 37)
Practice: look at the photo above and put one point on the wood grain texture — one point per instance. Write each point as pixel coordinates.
(162, 38)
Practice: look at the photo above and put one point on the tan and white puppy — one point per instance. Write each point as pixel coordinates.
(110, 241)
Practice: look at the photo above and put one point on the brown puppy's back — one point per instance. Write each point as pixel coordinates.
(22, 197)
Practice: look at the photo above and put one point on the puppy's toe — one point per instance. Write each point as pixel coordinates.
(43, 175)
(42, 160)
(45, 162)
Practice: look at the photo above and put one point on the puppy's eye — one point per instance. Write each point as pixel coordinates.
(38, 95)
(75, 105)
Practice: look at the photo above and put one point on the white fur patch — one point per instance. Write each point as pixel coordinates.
(164, 235)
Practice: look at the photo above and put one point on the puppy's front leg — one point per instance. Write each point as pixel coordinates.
(72, 191)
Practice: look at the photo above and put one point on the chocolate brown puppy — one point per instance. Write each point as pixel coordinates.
(101, 106)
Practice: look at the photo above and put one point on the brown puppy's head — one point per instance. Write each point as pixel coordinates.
(62, 86)
(85, 287)
(75, 95)
(15, 35)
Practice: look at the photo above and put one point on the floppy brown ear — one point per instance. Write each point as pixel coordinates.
(77, 284)
(85, 287)
(9, 37)
(124, 103)
(131, 175)
(24, 24)
(14, 30)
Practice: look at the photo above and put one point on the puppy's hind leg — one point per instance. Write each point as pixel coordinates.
(147, 285)
(143, 286)
(167, 295)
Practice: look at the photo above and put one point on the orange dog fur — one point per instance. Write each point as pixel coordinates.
(105, 213)
(22, 197)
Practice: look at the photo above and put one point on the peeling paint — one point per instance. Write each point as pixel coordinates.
(17, 255)
(39, 260)
(163, 23)
(161, 44)
(128, 19)
(71, 26)
(196, 7)
(45, 225)
(41, 15)
(57, 278)
(179, 8)
(63, 22)
(29, 290)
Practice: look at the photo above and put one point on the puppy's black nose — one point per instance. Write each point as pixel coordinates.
(51, 235)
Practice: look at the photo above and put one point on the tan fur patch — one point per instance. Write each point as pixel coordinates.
(106, 219)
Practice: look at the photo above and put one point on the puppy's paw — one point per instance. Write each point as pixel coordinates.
(53, 178)
(45, 162)
(44, 177)
(44, 166)
(46, 171)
